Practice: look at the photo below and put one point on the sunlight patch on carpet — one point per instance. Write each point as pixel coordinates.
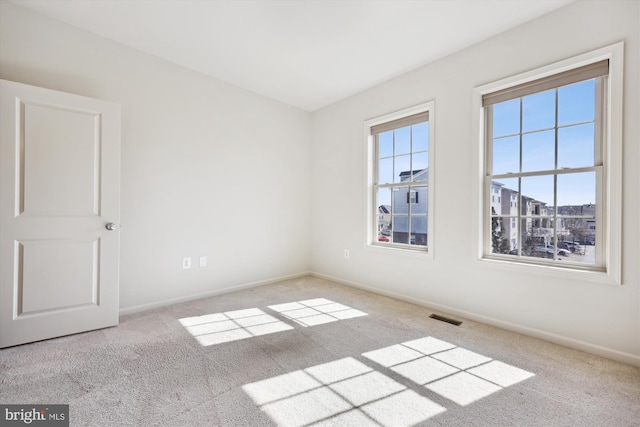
(316, 311)
(350, 392)
(455, 373)
(341, 392)
(217, 328)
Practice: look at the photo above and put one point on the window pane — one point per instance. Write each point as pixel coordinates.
(576, 146)
(539, 111)
(420, 205)
(577, 189)
(577, 216)
(506, 118)
(534, 240)
(385, 144)
(543, 228)
(418, 231)
(402, 141)
(400, 205)
(526, 237)
(538, 151)
(537, 194)
(577, 235)
(385, 171)
(400, 229)
(420, 164)
(511, 234)
(402, 168)
(383, 202)
(576, 102)
(589, 238)
(506, 155)
(420, 136)
(495, 194)
(504, 197)
(500, 232)
(576, 239)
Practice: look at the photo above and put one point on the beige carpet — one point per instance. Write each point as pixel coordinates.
(308, 352)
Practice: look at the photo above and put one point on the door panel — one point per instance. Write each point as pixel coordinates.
(52, 137)
(57, 274)
(59, 183)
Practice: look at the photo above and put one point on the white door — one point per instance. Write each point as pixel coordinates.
(59, 188)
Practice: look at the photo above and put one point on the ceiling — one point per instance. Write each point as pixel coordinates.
(306, 53)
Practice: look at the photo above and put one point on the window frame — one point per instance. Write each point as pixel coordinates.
(609, 182)
(371, 210)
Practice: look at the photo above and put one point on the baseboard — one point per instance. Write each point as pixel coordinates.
(609, 353)
(163, 303)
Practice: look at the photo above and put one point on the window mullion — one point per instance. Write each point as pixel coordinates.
(410, 187)
(488, 165)
(409, 215)
(600, 121)
(487, 212)
(545, 172)
(393, 162)
(376, 186)
(600, 246)
(555, 181)
(601, 158)
(520, 231)
(488, 161)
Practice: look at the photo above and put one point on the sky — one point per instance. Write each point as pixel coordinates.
(389, 168)
(576, 112)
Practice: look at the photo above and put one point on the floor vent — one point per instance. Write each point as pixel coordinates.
(446, 319)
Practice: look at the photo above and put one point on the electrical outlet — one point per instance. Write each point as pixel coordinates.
(203, 261)
(346, 254)
(186, 263)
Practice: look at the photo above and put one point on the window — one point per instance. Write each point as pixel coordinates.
(399, 176)
(551, 147)
(412, 197)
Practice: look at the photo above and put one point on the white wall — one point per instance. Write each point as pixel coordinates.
(207, 168)
(600, 318)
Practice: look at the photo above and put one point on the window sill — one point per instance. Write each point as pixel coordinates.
(399, 251)
(547, 270)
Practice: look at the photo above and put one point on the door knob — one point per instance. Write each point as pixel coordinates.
(111, 226)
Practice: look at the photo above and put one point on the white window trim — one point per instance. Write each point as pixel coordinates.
(370, 208)
(612, 223)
